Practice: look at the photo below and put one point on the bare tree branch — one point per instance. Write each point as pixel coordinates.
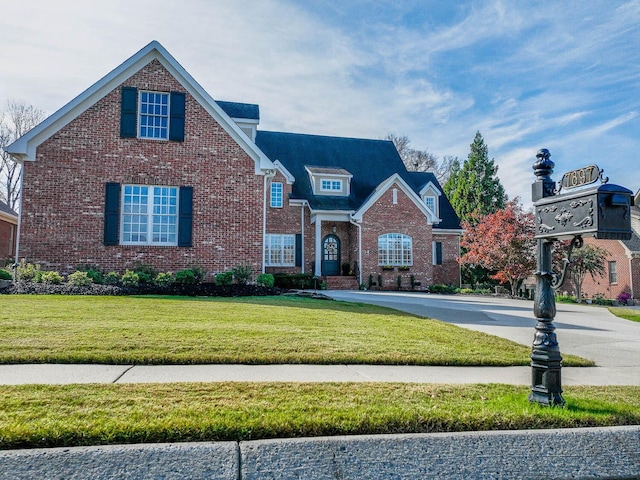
(16, 120)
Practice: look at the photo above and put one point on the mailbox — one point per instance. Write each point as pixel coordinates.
(602, 212)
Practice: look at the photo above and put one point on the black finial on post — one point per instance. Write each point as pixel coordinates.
(543, 168)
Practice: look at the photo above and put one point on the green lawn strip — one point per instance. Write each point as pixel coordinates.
(74, 415)
(253, 330)
(626, 313)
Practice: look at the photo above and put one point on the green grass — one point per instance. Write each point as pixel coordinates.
(626, 313)
(255, 330)
(72, 415)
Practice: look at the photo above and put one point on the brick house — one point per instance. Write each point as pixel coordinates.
(622, 265)
(145, 166)
(8, 231)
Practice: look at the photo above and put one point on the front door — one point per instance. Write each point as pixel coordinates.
(330, 255)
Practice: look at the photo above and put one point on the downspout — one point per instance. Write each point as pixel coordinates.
(352, 221)
(17, 261)
(269, 174)
(302, 234)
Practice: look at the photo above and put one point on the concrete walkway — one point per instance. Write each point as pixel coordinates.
(591, 332)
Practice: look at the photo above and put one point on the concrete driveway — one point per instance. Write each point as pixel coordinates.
(588, 331)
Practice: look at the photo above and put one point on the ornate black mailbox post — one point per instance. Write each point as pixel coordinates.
(603, 212)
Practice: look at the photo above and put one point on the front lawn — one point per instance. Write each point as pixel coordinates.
(249, 330)
(71, 415)
(626, 313)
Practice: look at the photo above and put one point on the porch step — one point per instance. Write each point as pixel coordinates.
(346, 282)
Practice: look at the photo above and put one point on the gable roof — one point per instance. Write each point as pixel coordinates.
(450, 220)
(371, 162)
(395, 179)
(24, 148)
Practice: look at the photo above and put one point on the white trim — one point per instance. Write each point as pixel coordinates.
(7, 217)
(24, 148)
(285, 173)
(402, 185)
(282, 249)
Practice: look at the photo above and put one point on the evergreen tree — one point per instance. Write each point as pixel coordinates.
(475, 188)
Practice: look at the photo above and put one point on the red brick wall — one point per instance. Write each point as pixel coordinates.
(283, 220)
(7, 239)
(63, 190)
(601, 285)
(449, 272)
(405, 218)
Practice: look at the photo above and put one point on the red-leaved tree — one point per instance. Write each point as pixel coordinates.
(501, 242)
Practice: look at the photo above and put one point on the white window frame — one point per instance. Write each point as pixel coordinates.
(330, 185)
(395, 250)
(613, 272)
(277, 199)
(155, 214)
(432, 203)
(160, 112)
(280, 250)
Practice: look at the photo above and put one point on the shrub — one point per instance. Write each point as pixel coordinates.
(265, 279)
(28, 271)
(200, 273)
(4, 275)
(130, 279)
(242, 274)
(294, 280)
(94, 272)
(163, 279)
(412, 280)
(81, 279)
(224, 278)
(111, 278)
(146, 273)
(186, 277)
(399, 282)
(439, 288)
(624, 297)
(51, 277)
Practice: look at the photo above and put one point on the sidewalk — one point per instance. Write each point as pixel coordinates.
(67, 374)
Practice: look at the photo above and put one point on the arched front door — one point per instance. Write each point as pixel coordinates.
(330, 255)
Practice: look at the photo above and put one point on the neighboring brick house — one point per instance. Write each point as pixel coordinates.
(144, 166)
(8, 230)
(622, 265)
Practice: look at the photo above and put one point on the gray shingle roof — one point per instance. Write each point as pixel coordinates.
(369, 161)
(249, 111)
(4, 208)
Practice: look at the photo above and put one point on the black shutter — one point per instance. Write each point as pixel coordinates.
(129, 112)
(298, 249)
(111, 213)
(176, 120)
(185, 217)
(438, 253)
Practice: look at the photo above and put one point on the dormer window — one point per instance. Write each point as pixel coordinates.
(430, 201)
(330, 181)
(430, 195)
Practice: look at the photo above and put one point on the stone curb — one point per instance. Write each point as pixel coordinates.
(612, 452)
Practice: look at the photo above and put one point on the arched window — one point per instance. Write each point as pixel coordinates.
(395, 249)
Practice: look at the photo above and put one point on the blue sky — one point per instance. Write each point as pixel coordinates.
(564, 75)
